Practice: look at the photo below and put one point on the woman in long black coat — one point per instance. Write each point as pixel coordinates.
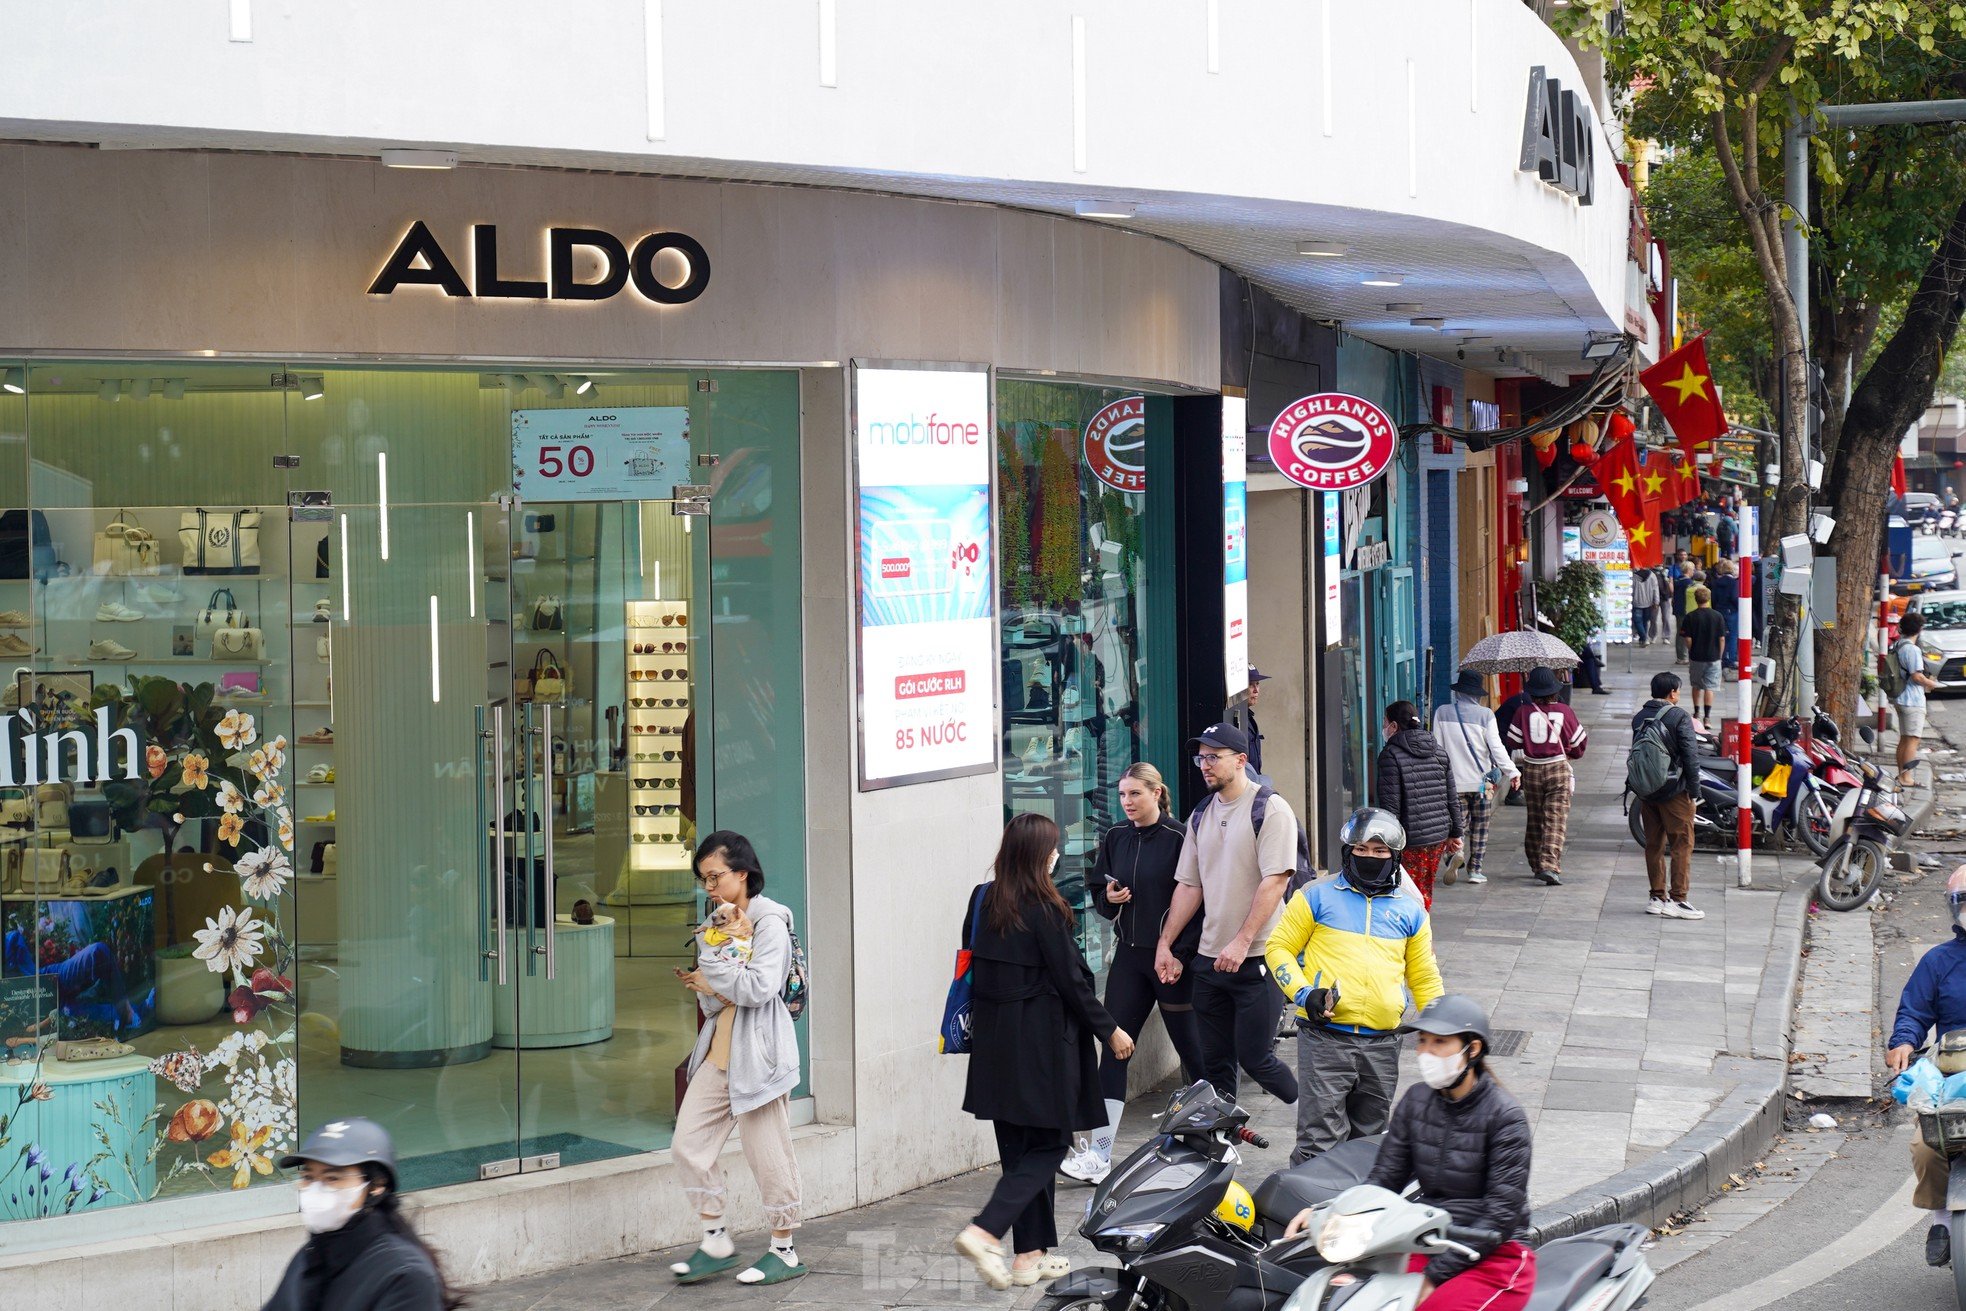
(1033, 1064)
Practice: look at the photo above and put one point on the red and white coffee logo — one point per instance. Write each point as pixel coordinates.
(1116, 445)
(1331, 441)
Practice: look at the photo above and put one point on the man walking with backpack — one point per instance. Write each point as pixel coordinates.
(1663, 772)
(1236, 867)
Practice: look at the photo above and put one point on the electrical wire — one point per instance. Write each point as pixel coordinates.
(1604, 387)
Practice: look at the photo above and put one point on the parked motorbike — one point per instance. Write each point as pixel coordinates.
(1944, 1131)
(1804, 809)
(1867, 823)
(1826, 754)
(1367, 1236)
(1948, 520)
(1186, 1235)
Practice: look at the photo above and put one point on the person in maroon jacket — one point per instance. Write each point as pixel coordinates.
(1548, 736)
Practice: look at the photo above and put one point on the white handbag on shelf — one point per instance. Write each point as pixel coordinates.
(122, 548)
(222, 611)
(219, 541)
(238, 644)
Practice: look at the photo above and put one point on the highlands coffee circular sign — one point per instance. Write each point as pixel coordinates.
(1330, 442)
(1116, 445)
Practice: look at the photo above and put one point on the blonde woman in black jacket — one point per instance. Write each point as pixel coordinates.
(1132, 885)
(1416, 783)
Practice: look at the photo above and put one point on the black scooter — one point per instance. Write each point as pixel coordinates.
(1157, 1214)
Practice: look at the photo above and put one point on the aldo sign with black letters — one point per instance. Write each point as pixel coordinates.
(419, 260)
(1557, 143)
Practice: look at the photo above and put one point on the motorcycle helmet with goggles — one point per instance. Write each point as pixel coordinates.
(1375, 876)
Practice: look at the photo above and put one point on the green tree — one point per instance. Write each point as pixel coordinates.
(1726, 77)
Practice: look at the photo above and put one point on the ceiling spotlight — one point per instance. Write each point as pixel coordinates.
(141, 390)
(1111, 209)
(584, 386)
(1323, 249)
(420, 158)
(538, 381)
(555, 389)
(1403, 307)
(312, 388)
(109, 391)
(15, 381)
(512, 382)
(174, 389)
(1469, 341)
(1384, 280)
(1427, 321)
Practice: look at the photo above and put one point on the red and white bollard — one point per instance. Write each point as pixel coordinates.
(1744, 725)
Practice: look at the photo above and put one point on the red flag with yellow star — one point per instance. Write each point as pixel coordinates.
(1682, 386)
(1659, 481)
(1643, 538)
(1618, 472)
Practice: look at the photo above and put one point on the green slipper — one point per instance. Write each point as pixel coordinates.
(700, 1266)
(770, 1269)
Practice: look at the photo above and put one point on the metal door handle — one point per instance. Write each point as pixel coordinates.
(529, 822)
(483, 735)
(546, 771)
(499, 915)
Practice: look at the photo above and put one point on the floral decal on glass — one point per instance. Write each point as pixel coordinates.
(75, 1135)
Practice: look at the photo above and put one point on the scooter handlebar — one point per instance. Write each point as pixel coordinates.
(1484, 1238)
(1251, 1137)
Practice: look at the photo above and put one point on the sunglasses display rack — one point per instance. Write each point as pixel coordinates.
(659, 683)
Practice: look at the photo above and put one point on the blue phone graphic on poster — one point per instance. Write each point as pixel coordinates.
(924, 554)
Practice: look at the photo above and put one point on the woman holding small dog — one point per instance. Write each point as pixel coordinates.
(1033, 1072)
(745, 1065)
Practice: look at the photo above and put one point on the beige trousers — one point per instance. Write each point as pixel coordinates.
(703, 1126)
(1931, 1172)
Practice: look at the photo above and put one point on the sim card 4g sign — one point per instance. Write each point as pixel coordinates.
(928, 630)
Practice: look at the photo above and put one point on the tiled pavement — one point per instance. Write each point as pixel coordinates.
(1637, 1027)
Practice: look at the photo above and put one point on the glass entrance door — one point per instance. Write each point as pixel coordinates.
(610, 648)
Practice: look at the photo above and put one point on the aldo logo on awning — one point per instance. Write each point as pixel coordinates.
(419, 260)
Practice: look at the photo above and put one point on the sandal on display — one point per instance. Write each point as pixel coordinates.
(701, 1266)
(320, 737)
(321, 774)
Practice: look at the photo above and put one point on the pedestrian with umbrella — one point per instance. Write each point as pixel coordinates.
(1549, 735)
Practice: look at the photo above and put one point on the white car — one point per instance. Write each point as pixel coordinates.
(1932, 568)
(1944, 637)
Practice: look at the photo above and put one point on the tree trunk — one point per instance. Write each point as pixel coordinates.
(1895, 390)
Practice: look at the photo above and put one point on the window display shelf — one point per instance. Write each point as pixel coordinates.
(166, 660)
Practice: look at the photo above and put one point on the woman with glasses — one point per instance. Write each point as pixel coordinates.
(1032, 1074)
(744, 1068)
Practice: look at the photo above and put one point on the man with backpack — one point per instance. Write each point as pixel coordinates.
(1663, 773)
(1236, 867)
(1904, 679)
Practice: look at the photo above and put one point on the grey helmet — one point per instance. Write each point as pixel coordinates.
(1453, 1015)
(347, 1142)
(1369, 822)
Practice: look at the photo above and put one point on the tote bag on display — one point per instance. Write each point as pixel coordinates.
(219, 541)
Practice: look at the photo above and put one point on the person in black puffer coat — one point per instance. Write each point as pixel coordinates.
(1466, 1142)
(1416, 783)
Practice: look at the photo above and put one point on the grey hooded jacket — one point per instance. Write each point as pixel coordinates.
(764, 1050)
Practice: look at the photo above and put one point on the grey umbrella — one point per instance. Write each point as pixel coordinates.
(1518, 653)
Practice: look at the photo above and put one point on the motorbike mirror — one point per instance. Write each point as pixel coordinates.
(1411, 1190)
(1868, 734)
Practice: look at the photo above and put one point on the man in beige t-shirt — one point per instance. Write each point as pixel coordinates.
(1235, 877)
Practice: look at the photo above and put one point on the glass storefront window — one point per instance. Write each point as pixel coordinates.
(1077, 603)
(419, 766)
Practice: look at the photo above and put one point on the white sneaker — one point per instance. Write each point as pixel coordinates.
(115, 612)
(104, 649)
(1658, 906)
(1679, 910)
(12, 645)
(157, 593)
(1087, 1167)
(12, 619)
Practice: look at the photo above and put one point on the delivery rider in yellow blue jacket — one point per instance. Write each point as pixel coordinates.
(1346, 952)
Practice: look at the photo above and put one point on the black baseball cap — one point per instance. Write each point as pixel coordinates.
(1226, 736)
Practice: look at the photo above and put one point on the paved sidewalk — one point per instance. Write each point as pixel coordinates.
(1636, 1028)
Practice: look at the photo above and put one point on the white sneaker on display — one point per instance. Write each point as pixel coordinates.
(12, 619)
(104, 649)
(115, 612)
(159, 593)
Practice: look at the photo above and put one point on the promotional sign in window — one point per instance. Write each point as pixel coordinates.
(1599, 540)
(1235, 543)
(1115, 444)
(928, 628)
(634, 453)
(1334, 565)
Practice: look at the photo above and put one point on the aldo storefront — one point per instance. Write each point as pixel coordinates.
(398, 574)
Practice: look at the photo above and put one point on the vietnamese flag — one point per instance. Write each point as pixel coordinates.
(1618, 472)
(1660, 481)
(1683, 388)
(1646, 542)
(1689, 478)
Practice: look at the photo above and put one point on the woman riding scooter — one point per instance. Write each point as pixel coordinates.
(1466, 1141)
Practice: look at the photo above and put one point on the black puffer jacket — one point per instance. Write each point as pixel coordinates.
(366, 1265)
(1685, 747)
(1416, 783)
(1471, 1158)
(1144, 860)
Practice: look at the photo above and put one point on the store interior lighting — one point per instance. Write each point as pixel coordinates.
(109, 391)
(1384, 280)
(1323, 249)
(555, 389)
(1404, 307)
(583, 387)
(1427, 321)
(312, 388)
(15, 381)
(420, 158)
(141, 389)
(1110, 209)
(174, 389)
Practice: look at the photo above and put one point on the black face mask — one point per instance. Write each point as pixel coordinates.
(1372, 875)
